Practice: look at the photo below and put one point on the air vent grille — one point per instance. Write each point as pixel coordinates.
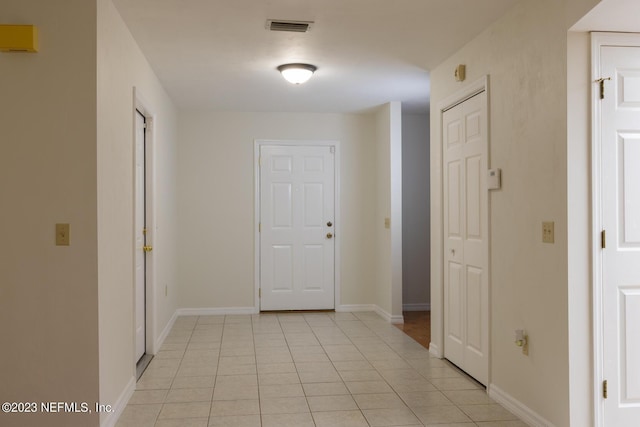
(291, 26)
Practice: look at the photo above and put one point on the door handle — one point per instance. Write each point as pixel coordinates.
(329, 224)
(329, 235)
(147, 248)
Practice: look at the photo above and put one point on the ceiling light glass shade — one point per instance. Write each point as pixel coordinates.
(297, 73)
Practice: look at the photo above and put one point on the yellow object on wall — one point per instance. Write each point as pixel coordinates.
(18, 38)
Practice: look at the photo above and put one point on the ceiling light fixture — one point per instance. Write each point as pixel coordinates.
(297, 73)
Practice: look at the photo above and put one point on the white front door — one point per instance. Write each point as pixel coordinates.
(297, 227)
(620, 210)
(466, 295)
(140, 264)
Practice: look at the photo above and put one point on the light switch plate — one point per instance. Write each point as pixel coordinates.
(62, 234)
(548, 235)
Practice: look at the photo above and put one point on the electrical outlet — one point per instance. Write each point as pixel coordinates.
(548, 235)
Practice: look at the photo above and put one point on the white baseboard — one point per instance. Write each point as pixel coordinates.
(434, 350)
(165, 332)
(388, 316)
(417, 307)
(352, 308)
(526, 414)
(370, 307)
(218, 311)
(117, 408)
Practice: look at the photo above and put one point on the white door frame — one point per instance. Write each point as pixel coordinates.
(598, 40)
(436, 346)
(141, 105)
(337, 221)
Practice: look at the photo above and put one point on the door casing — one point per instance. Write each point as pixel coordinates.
(338, 223)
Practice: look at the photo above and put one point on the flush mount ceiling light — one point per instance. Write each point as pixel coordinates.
(297, 73)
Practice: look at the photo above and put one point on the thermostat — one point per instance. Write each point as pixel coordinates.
(494, 181)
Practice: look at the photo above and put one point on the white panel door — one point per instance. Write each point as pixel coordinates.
(140, 265)
(466, 295)
(620, 189)
(297, 227)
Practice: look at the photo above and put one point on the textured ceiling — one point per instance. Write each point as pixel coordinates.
(217, 54)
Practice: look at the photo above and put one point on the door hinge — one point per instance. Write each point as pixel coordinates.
(259, 227)
(604, 389)
(601, 83)
(144, 231)
(603, 239)
(259, 292)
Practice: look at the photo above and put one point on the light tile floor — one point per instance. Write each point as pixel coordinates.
(303, 369)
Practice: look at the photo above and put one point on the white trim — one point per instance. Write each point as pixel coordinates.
(216, 311)
(434, 350)
(599, 40)
(473, 89)
(395, 319)
(526, 414)
(354, 308)
(437, 236)
(337, 219)
(370, 307)
(117, 408)
(596, 218)
(160, 340)
(416, 307)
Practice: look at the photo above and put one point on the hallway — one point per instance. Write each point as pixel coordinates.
(300, 369)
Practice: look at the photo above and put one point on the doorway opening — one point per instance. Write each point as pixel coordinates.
(143, 289)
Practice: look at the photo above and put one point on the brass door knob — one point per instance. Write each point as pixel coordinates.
(147, 248)
(329, 224)
(329, 235)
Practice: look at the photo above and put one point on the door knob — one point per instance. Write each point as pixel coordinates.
(329, 235)
(147, 248)
(329, 224)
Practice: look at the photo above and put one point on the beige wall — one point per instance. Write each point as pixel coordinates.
(382, 267)
(576, 9)
(48, 293)
(524, 54)
(121, 67)
(216, 201)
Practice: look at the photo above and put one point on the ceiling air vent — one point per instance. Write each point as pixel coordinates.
(291, 26)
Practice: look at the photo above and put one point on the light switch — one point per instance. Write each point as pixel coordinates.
(62, 234)
(547, 232)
